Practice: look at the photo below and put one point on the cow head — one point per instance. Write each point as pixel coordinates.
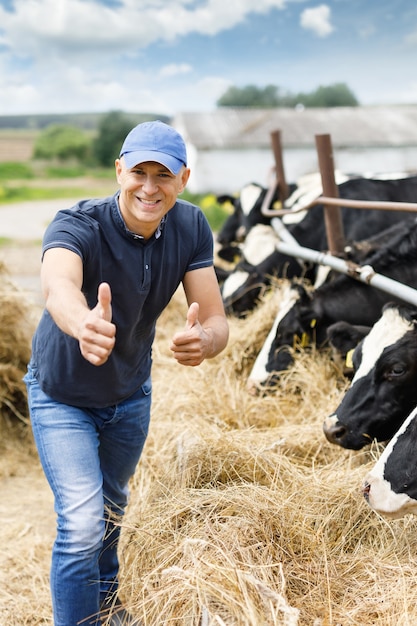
(246, 213)
(242, 289)
(384, 387)
(252, 274)
(294, 328)
(390, 488)
(231, 231)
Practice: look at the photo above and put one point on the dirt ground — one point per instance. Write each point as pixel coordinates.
(27, 521)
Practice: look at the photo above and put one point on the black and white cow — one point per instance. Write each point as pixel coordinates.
(246, 212)
(242, 288)
(390, 488)
(247, 205)
(309, 313)
(383, 390)
(243, 284)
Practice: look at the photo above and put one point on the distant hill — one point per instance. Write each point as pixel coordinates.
(86, 121)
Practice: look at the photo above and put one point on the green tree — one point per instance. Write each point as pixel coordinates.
(250, 96)
(62, 142)
(336, 95)
(271, 96)
(113, 128)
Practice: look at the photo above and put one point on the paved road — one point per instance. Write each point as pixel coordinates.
(24, 224)
(27, 221)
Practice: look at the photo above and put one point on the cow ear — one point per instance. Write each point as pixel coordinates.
(408, 312)
(414, 315)
(339, 335)
(344, 337)
(304, 295)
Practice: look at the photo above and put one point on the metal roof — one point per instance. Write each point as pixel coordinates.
(240, 128)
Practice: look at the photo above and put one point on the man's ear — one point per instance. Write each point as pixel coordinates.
(119, 168)
(185, 175)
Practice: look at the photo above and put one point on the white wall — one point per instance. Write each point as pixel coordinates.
(227, 171)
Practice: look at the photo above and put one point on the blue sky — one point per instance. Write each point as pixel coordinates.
(168, 56)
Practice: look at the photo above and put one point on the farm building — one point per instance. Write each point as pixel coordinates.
(229, 147)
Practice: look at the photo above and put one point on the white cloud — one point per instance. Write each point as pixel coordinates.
(199, 95)
(366, 32)
(317, 20)
(75, 26)
(79, 55)
(66, 55)
(174, 69)
(411, 38)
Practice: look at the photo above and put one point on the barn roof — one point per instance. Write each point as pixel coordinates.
(229, 128)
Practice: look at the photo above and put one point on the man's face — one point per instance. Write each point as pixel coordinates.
(147, 192)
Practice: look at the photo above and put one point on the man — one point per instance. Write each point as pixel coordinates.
(109, 268)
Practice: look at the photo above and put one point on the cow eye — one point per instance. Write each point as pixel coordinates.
(397, 369)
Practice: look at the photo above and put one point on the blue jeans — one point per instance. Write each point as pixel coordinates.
(88, 456)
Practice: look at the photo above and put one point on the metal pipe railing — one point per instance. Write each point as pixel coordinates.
(409, 207)
(365, 274)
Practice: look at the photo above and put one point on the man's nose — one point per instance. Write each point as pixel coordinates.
(150, 185)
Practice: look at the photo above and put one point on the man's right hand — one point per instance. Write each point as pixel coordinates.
(97, 334)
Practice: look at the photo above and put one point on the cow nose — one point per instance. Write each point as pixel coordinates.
(365, 491)
(334, 432)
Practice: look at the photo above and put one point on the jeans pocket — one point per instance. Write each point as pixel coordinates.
(147, 387)
(31, 373)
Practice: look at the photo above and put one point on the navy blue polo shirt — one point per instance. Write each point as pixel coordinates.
(142, 274)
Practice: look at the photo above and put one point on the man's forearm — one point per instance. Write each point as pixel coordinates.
(67, 306)
(218, 328)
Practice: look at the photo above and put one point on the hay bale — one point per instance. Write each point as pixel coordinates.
(243, 514)
(17, 323)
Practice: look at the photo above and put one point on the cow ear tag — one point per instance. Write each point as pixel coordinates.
(349, 360)
(277, 206)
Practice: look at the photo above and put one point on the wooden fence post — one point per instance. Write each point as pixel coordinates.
(332, 214)
(279, 165)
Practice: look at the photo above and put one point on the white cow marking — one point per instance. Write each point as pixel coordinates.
(248, 197)
(387, 331)
(235, 281)
(260, 244)
(309, 187)
(381, 497)
(259, 373)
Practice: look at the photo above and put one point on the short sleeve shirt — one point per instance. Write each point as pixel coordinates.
(142, 274)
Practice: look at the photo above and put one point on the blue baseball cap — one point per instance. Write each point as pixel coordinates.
(154, 141)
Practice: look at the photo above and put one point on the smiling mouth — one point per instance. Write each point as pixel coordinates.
(148, 202)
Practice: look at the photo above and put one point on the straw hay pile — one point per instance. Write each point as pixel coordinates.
(241, 513)
(17, 321)
(17, 324)
(25, 527)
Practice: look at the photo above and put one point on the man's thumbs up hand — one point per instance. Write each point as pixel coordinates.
(191, 346)
(97, 334)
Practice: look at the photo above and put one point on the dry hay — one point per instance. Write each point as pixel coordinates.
(241, 513)
(25, 525)
(17, 322)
